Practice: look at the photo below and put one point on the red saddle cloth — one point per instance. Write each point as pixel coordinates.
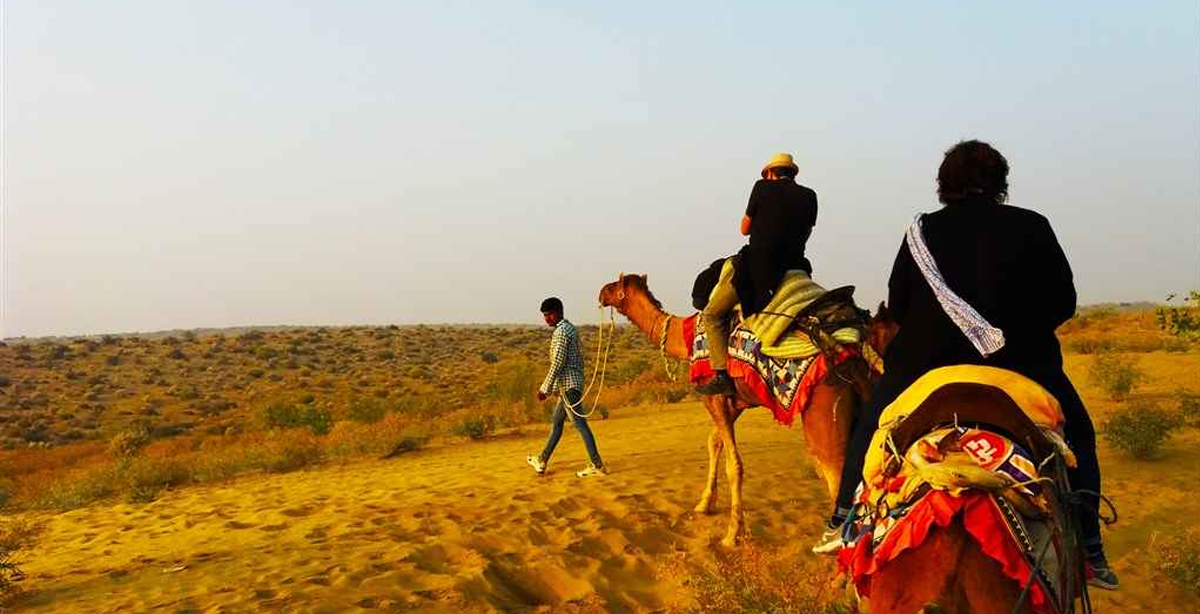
(984, 521)
(784, 386)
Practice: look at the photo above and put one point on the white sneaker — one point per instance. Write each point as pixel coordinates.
(591, 470)
(538, 465)
(831, 542)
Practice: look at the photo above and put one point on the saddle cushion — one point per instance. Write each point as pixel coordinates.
(1035, 401)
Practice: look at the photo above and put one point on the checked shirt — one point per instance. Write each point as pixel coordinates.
(566, 361)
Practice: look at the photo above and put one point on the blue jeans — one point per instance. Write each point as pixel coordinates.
(574, 397)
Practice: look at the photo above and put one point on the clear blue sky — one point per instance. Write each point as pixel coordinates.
(220, 163)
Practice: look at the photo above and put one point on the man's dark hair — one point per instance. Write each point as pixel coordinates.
(786, 172)
(552, 304)
(973, 171)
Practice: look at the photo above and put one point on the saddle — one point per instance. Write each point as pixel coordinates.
(979, 442)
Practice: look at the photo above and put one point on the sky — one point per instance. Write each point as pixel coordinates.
(171, 164)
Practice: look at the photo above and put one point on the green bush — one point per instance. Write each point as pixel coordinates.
(475, 427)
(15, 536)
(367, 410)
(1088, 345)
(1189, 407)
(147, 477)
(286, 416)
(1116, 374)
(1178, 557)
(1140, 428)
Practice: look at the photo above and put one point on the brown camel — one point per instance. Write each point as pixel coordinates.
(827, 419)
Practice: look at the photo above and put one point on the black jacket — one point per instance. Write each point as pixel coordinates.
(782, 214)
(1007, 264)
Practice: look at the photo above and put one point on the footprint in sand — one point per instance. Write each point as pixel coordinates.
(233, 524)
(297, 512)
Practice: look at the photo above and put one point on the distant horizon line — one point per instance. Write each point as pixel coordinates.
(212, 330)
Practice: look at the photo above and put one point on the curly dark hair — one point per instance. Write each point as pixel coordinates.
(973, 171)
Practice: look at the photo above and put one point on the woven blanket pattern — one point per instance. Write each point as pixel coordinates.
(785, 384)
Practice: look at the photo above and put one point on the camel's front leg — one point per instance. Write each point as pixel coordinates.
(715, 443)
(733, 470)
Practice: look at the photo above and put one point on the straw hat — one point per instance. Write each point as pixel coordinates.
(780, 160)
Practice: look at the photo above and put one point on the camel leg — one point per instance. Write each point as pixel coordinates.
(715, 443)
(733, 470)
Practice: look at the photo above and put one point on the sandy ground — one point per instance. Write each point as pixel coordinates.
(469, 527)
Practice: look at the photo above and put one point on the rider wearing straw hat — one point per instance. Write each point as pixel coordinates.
(778, 220)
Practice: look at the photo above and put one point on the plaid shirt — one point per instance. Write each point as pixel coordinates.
(566, 361)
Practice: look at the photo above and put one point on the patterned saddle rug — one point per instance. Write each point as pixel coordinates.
(784, 384)
(1007, 491)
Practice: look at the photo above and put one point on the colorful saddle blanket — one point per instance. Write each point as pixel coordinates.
(784, 385)
(1007, 506)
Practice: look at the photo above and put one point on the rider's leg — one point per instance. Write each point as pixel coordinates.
(715, 316)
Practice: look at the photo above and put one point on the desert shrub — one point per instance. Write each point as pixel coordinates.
(126, 444)
(1176, 346)
(147, 477)
(756, 579)
(287, 416)
(489, 357)
(515, 380)
(1181, 320)
(1178, 558)
(15, 535)
(1140, 428)
(1189, 407)
(628, 370)
(366, 410)
(291, 451)
(81, 489)
(1116, 374)
(475, 427)
(392, 435)
(4, 381)
(1089, 345)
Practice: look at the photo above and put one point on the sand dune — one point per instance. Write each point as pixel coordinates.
(464, 527)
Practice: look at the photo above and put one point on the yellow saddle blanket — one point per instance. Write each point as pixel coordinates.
(1038, 404)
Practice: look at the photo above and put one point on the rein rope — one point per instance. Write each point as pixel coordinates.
(599, 366)
(662, 348)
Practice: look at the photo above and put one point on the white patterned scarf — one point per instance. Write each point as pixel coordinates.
(986, 338)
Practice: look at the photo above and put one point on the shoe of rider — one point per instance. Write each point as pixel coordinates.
(830, 542)
(1101, 575)
(720, 383)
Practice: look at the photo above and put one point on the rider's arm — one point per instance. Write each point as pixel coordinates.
(898, 283)
(746, 219)
(1049, 264)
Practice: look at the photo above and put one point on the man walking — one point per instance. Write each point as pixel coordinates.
(565, 378)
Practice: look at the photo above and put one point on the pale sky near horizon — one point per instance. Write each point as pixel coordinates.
(207, 164)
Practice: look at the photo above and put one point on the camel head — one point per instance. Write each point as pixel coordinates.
(618, 293)
(883, 329)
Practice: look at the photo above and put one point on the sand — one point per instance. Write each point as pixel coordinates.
(469, 527)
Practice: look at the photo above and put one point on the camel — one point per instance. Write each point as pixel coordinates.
(826, 421)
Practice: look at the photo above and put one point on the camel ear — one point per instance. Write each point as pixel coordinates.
(643, 277)
(620, 275)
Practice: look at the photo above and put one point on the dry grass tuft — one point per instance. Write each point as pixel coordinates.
(1178, 557)
(757, 579)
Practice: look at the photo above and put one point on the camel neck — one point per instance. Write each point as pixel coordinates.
(645, 315)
